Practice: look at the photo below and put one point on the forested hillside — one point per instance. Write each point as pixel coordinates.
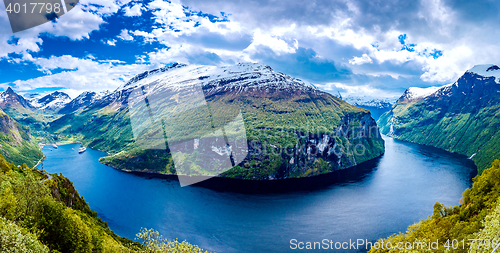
(292, 129)
(463, 117)
(477, 217)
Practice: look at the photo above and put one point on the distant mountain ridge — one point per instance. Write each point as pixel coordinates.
(377, 106)
(367, 101)
(52, 102)
(21, 109)
(462, 117)
(83, 100)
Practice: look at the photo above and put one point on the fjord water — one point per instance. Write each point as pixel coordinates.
(370, 201)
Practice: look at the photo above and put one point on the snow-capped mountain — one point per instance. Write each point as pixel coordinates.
(416, 92)
(83, 100)
(486, 70)
(461, 117)
(9, 98)
(367, 101)
(194, 103)
(483, 72)
(51, 102)
(377, 106)
(241, 77)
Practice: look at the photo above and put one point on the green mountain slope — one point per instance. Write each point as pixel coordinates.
(17, 107)
(292, 129)
(16, 143)
(463, 117)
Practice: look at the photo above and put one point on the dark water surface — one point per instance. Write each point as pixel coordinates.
(370, 201)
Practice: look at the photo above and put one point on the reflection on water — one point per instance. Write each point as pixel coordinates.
(370, 201)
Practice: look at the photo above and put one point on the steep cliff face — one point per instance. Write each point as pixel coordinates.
(289, 128)
(462, 117)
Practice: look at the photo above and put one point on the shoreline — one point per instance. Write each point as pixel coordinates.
(449, 151)
(217, 183)
(288, 185)
(246, 186)
(160, 174)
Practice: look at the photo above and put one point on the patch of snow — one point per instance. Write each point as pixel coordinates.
(53, 101)
(415, 92)
(486, 70)
(240, 77)
(368, 101)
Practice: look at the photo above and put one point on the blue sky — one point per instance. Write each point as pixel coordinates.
(372, 48)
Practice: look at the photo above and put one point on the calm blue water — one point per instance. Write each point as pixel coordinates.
(366, 202)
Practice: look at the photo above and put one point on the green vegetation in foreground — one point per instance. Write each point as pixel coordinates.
(16, 143)
(44, 213)
(477, 217)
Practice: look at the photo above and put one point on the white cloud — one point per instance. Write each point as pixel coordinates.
(361, 60)
(125, 35)
(276, 44)
(111, 42)
(356, 90)
(451, 65)
(135, 11)
(80, 74)
(102, 7)
(76, 25)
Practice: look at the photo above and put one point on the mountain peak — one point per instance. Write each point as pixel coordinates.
(52, 102)
(154, 71)
(240, 77)
(415, 92)
(83, 100)
(10, 91)
(58, 94)
(486, 70)
(10, 98)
